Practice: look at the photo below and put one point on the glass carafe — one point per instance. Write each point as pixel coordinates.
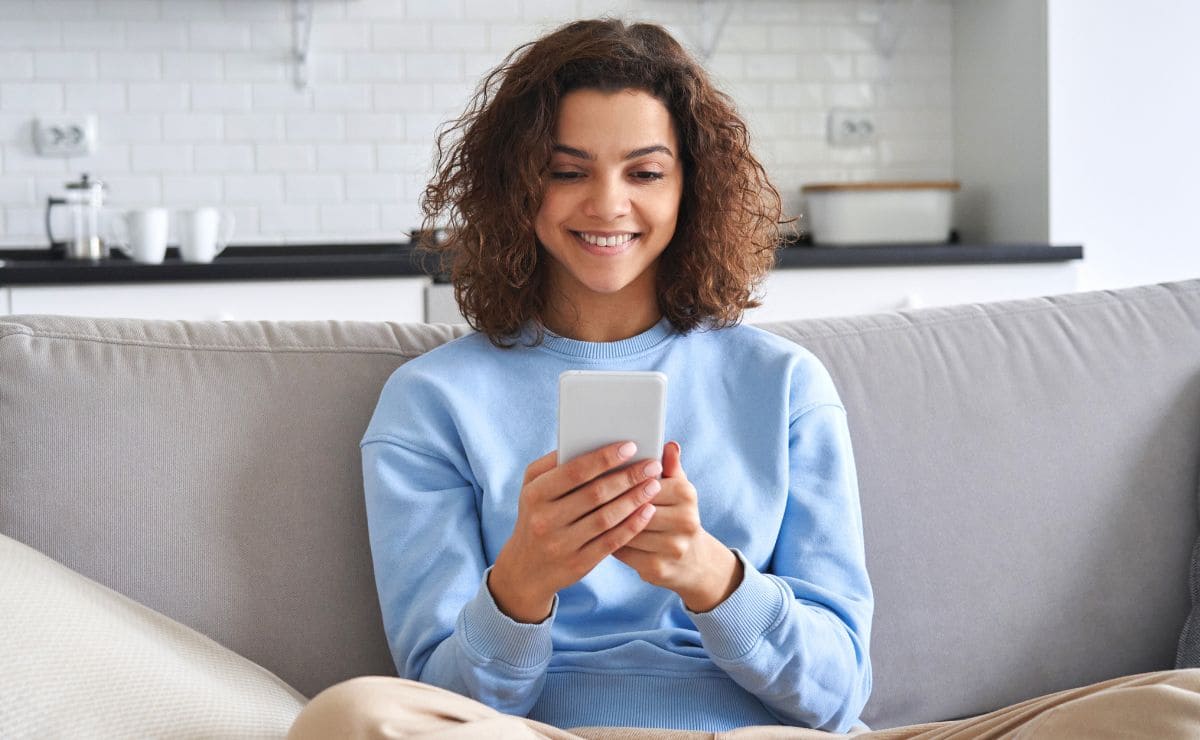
(85, 203)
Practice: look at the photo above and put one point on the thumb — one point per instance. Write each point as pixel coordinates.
(670, 462)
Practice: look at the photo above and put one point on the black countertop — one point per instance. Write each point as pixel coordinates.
(315, 261)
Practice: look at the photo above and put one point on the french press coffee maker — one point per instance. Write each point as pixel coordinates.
(84, 202)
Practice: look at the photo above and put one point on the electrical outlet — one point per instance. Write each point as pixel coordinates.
(64, 136)
(851, 127)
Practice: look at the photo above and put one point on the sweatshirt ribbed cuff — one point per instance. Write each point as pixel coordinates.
(493, 636)
(738, 623)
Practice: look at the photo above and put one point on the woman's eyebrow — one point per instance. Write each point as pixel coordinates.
(581, 154)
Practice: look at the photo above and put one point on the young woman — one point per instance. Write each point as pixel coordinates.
(606, 212)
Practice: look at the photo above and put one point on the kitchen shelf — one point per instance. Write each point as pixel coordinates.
(384, 260)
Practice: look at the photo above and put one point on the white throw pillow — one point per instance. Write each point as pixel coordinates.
(80, 660)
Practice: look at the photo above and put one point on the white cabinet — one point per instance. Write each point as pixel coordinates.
(841, 291)
(376, 299)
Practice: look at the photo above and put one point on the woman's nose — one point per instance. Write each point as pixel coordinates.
(608, 199)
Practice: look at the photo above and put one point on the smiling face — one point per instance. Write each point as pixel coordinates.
(609, 205)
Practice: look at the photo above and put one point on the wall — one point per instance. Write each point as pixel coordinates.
(196, 103)
(1000, 116)
(1124, 107)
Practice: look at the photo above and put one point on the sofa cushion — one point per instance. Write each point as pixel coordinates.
(80, 660)
(209, 470)
(1187, 655)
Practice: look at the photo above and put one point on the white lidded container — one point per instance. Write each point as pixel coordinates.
(845, 214)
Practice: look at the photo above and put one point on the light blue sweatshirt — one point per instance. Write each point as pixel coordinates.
(764, 441)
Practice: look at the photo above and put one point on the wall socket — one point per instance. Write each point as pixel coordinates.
(64, 136)
(849, 127)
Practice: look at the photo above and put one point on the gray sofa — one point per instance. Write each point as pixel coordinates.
(1028, 475)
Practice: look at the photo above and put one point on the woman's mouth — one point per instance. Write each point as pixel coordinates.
(605, 244)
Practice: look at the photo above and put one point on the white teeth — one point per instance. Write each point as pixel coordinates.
(605, 241)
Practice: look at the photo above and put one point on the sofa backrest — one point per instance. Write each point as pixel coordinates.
(1028, 474)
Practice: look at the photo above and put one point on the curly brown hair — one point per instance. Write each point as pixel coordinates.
(491, 163)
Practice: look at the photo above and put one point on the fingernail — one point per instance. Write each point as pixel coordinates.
(651, 488)
(653, 468)
(627, 450)
(648, 511)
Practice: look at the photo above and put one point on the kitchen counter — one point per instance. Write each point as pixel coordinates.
(40, 267)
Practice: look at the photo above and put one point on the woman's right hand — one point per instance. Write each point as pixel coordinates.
(569, 518)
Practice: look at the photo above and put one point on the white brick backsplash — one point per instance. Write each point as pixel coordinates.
(129, 128)
(93, 35)
(42, 97)
(30, 35)
(288, 219)
(252, 66)
(373, 9)
(280, 96)
(189, 189)
(400, 36)
(111, 159)
(95, 97)
(162, 157)
(285, 158)
(158, 96)
(254, 127)
(406, 96)
(255, 189)
(434, 10)
(347, 96)
(16, 65)
(343, 157)
(156, 35)
(316, 126)
(214, 35)
(134, 190)
(466, 36)
(375, 127)
(491, 10)
(850, 95)
(350, 217)
(16, 191)
(376, 67)
(314, 188)
(128, 65)
(196, 99)
(224, 158)
(209, 96)
(343, 36)
(66, 65)
(195, 66)
(435, 66)
(241, 10)
(404, 157)
(790, 95)
(374, 187)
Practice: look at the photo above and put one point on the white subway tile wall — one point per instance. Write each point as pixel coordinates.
(196, 102)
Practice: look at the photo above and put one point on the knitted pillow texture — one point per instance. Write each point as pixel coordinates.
(1188, 653)
(81, 660)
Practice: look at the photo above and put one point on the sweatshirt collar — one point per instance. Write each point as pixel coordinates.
(652, 337)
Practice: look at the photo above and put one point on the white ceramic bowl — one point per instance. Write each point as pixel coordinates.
(847, 214)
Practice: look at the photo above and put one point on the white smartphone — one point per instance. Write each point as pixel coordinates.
(599, 407)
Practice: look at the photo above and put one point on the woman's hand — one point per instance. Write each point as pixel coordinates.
(675, 552)
(569, 518)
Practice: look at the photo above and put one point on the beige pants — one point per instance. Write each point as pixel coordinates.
(1150, 705)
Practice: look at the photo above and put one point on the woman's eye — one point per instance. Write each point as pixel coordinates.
(648, 175)
(565, 175)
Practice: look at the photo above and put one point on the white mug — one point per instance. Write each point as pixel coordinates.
(204, 233)
(140, 234)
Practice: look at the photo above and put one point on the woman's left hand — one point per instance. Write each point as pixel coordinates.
(675, 552)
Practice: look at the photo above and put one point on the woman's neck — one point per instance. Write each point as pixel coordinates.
(599, 320)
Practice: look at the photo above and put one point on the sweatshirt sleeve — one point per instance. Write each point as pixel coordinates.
(442, 625)
(797, 637)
